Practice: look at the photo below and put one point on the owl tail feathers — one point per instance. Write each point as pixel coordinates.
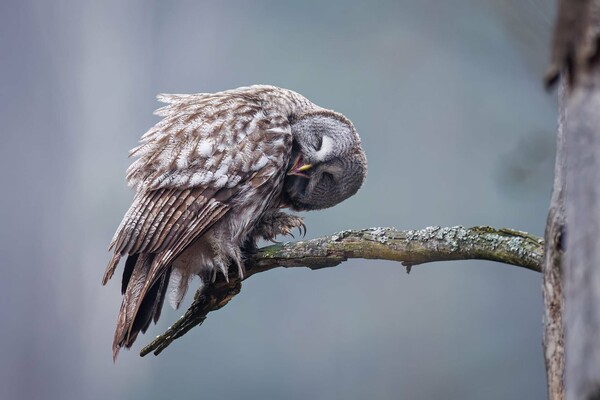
(133, 319)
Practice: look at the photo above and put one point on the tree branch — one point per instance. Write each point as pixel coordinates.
(410, 247)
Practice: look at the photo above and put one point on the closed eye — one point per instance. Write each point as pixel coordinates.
(319, 143)
(326, 147)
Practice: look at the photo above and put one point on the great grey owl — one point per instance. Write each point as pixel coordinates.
(211, 177)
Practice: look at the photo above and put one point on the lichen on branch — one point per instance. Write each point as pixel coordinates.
(410, 247)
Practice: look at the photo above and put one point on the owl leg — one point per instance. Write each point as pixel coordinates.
(226, 254)
(274, 223)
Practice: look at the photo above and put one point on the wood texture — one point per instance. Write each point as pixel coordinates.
(552, 286)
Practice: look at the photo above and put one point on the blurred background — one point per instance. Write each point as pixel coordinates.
(448, 99)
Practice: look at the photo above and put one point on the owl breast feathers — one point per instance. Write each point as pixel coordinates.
(212, 176)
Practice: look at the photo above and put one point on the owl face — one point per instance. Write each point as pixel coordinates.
(327, 164)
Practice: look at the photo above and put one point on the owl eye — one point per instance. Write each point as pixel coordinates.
(326, 147)
(319, 143)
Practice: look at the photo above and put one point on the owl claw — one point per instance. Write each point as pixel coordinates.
(279, 223)
(301, 228)
(287, 231)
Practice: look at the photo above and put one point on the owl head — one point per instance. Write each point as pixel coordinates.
(327, 165)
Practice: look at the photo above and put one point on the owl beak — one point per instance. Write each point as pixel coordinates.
(299, 168)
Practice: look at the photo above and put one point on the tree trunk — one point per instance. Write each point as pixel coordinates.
(552, 289)
(576, 57)
(582, 269)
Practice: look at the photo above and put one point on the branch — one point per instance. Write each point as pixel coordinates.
(411, 247)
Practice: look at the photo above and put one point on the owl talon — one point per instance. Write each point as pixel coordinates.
(302, 229)
(277, 223)
(241, 270)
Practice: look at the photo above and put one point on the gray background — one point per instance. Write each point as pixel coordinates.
(447, 97)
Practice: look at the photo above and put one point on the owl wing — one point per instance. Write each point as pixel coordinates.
(159, 220)
(204, 153)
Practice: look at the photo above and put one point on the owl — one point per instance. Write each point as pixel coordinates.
(211, 179)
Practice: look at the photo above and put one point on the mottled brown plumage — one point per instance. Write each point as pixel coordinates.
(211, 176)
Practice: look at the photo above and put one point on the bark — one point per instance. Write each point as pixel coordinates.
(576, 56)
(582, 270)
(568, 50)
(411, 247)
(552, 289)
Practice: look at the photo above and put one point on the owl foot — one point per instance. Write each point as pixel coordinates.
(277, 223)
